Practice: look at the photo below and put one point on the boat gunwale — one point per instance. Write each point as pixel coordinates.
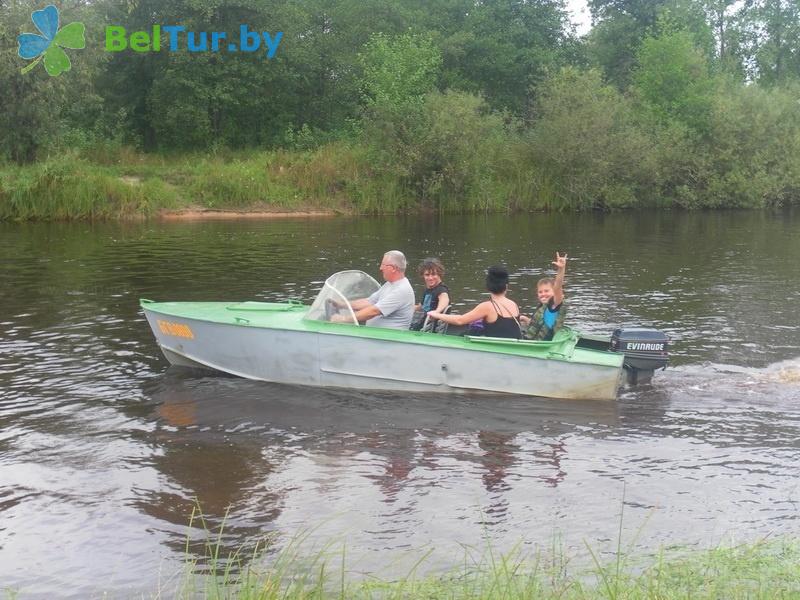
(534, 349)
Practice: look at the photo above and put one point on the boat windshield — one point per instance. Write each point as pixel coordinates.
(337, 292)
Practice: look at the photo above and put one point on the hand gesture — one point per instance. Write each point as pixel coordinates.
(561, 261)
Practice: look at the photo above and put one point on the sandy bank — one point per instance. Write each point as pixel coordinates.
(210, 213)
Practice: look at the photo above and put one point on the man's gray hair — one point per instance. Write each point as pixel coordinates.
(396, 258)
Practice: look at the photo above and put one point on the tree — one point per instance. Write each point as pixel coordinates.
(755, 138)
(771, 45)
(672, 81)
(31, 104)
(585, 146)
(505, 48)
(397, 72)
(721, 19)
(622, 25)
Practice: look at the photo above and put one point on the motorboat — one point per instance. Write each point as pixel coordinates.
(294, 343)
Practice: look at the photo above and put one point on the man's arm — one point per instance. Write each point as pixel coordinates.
(367, 313)
(360, 303)
(364, 314)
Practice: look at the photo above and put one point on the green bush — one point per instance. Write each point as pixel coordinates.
(586, 147)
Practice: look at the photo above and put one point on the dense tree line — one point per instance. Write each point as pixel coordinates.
(449, 103)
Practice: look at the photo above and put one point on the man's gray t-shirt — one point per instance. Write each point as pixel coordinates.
(395, 300)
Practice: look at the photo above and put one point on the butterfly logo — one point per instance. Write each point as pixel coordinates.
(48, 46)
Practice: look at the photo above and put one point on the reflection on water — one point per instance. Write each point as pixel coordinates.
(105, 452)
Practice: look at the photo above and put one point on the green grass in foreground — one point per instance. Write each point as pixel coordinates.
(767, 569)
(764, 570)
(761, 570)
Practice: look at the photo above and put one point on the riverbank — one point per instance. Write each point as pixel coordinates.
(124, 184)
(200, 214)
(119, 183)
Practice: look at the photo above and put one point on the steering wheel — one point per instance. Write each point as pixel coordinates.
(330, 308)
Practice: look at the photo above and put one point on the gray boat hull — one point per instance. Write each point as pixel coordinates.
(332, 359)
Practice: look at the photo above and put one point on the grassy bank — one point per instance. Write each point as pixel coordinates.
(117, 182)
(123, 184)
(760, 570)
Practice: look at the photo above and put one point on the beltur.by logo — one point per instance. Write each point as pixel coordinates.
(48, 46)
(117, 40)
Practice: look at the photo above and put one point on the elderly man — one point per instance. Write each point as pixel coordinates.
(393, 305)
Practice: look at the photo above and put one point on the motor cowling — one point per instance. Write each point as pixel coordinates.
(645, 351)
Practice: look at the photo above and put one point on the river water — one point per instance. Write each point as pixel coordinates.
(104, 450)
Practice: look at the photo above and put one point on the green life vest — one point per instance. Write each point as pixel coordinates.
(538, 329)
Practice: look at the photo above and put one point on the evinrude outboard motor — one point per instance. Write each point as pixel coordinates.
(645, 351)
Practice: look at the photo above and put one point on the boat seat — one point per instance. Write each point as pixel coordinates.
(434, 325)
(563, 343)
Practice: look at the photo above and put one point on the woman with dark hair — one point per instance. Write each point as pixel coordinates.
(499, 313)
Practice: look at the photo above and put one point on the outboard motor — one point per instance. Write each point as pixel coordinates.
(645, 351)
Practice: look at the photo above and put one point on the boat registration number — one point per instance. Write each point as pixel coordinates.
(176, 329)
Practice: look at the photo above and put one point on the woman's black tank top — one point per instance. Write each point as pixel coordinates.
(503, 327)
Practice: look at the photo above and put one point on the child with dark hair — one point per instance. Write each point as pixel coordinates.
(435, 296)
(500, 314)
(548, 317)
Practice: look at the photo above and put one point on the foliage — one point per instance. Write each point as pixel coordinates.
(586, 148)
(612, 46)
(443, 153)
(751, 128)
(673, 81)
(770, 36)
(30, 103)
(395, 105)
(502, 50)
(623, 26)
(397, 72)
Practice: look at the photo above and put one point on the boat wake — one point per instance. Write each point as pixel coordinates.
(783, 372)
(787, 371)
(776, 382)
